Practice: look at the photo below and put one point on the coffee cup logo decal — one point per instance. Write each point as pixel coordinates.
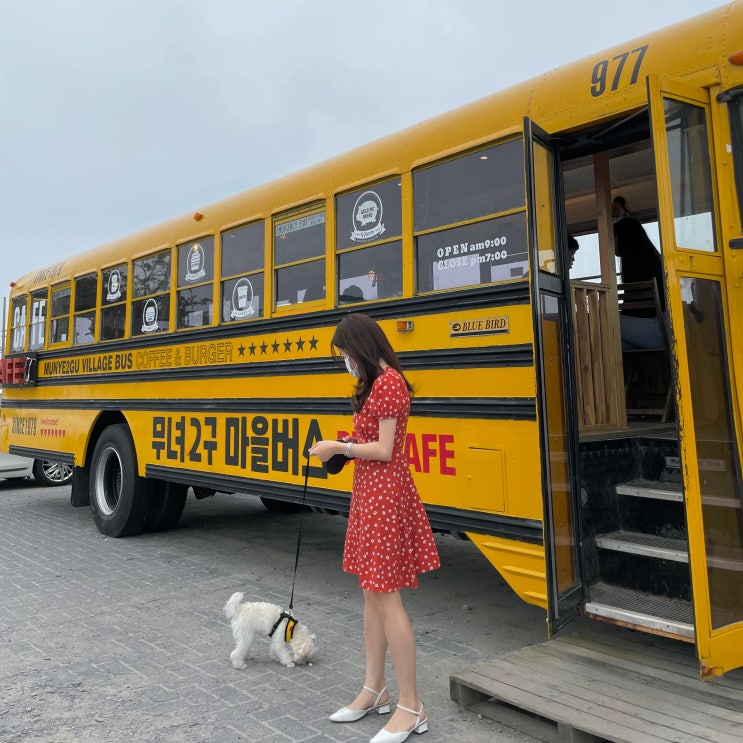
(242, 300)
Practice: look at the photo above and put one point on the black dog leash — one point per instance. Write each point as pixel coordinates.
(299, 536)
(291, 622)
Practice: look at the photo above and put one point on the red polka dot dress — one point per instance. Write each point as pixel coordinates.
(389, 541)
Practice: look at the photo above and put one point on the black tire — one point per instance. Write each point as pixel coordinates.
(118, 497)
(52, 473)
(282, 506)
(168, 500)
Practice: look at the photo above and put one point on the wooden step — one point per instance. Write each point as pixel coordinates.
(610, 683)
(666, 616)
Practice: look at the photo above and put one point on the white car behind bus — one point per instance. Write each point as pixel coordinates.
(44, 471)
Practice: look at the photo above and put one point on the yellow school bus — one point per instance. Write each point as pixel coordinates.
(596, 479)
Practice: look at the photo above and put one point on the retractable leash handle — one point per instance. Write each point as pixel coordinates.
(299, 536)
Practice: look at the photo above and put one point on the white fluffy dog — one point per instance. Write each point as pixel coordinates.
(267, 620)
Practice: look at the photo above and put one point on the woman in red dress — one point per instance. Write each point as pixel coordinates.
(389, 541)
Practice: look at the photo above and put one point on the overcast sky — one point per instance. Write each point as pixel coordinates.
(118, 114)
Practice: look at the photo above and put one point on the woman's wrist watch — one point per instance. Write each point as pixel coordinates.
(348, 449)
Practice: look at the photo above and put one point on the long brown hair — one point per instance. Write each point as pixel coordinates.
(365, 342)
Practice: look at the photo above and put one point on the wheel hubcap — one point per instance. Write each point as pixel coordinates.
(56, 471)
(107, 481)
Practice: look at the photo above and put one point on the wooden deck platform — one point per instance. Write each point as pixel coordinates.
(596, 682)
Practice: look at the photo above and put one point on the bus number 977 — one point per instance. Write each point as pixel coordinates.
(601, 72)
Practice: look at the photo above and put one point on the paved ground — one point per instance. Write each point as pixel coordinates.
(124, 640)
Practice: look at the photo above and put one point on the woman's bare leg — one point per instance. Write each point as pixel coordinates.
(375, 643)
(398, 631)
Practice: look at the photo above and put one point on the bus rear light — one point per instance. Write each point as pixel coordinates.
(198, 216)
(404, 325)
(736, 58)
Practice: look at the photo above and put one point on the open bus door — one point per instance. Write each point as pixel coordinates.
(553, 360)
(699, 310)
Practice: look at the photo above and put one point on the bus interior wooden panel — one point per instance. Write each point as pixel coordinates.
(647, 378)
(600, 358)
(598, 382)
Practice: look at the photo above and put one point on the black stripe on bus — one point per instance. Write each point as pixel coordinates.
(486, 408)
(24, 451)
(441, 518)
(503, 408)
(520, 354)
(516, 355)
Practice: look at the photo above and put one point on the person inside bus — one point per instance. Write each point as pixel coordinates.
(389, 541)
(352, 293)
(639, 328)
(573, 246)
(619, 208)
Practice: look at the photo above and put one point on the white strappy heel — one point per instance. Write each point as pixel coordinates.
(344, 714)
(420, 726)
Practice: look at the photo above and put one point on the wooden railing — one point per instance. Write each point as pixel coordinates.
(598, 358)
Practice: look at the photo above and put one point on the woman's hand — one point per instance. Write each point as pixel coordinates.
(323, 450)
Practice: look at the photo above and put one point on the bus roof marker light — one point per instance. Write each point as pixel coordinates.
(736, 58)
(404, 325)
(198, 216)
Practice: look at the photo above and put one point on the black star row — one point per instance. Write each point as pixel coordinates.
(276, 345)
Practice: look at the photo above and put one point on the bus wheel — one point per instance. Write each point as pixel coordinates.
(118, 496)
(282, 506)
(168, 500)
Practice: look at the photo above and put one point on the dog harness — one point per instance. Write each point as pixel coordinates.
(291, 623)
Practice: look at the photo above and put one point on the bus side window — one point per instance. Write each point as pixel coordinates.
(367, 239)
(86, 294)
(37, 325)
(366, 274)
(242, 272)
(113, 302)
(18, 329)
(469, 191)
(299, 259)
(304, 282)
(60, 314)
(735, 108)
(151, 294)
(195, 283)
